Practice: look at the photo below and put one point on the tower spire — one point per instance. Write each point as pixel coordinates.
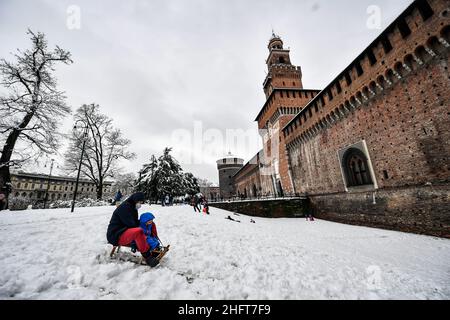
(274, 35)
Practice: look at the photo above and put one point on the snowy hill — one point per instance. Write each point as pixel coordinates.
(53, 254)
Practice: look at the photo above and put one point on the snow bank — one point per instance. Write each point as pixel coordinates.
(53, 254)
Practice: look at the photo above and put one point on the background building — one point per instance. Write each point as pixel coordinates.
(212, 192)
(34, 187)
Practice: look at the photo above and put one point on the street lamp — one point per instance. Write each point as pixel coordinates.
(85, 127)
(48, 183)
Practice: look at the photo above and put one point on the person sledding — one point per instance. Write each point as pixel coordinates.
(125, 229)
(149, 227)
(231, 219)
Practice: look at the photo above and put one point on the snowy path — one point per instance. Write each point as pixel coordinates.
(53, 254)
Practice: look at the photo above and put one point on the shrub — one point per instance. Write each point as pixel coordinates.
(79, 204)
(19, 203)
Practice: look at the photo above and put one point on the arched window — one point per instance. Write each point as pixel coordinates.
(282, 60)
(356, 168)
(255, 192)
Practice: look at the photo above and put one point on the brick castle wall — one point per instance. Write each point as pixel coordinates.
(395, 97)
(418, 209)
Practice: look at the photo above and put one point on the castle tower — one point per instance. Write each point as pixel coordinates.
(285, 97)
(228, 166)
(281, 72)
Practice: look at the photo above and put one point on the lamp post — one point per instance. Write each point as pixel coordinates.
(48, 183)
(85, 127)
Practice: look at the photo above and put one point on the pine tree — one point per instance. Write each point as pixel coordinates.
(147, 181)
(164, 176)
(170, 175)
(191, 185)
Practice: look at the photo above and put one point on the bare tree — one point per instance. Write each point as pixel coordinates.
(104, 147)
(30, 106)
(125, 183)
(205, 183)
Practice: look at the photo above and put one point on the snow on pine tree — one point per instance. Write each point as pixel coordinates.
(191, 184)
(170, 175)
(147, 180)
(164, 176)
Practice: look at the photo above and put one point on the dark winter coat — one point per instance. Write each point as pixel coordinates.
(124, 217)
(118, 196)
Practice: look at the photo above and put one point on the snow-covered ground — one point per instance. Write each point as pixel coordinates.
(53, 254)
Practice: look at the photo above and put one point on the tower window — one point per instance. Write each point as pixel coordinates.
(282, 60)
(338, 87)
(359, 69)
(330, 95)
(404, 29)
(371, 57)
(425, 10)
(322, 100)
(386, 44)
(348, 79)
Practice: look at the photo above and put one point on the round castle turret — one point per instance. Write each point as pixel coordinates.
(228, 166)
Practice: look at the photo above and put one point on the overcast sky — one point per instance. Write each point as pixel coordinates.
(157, 67)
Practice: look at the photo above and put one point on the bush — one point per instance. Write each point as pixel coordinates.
(79, 204)
(19, 203)
(60, 204)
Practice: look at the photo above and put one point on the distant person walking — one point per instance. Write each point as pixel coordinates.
(167, 200)
(118, 198)
(205, 206)
(196, 200)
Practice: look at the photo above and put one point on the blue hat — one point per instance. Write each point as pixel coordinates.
(146, 217)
